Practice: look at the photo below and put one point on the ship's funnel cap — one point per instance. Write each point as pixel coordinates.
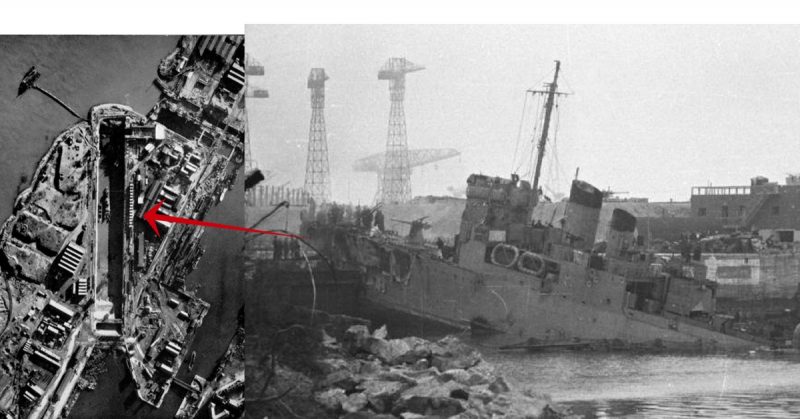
(585, 194)
(623, 221)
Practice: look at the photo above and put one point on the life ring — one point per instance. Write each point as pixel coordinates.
(504, 247)
(536, 261)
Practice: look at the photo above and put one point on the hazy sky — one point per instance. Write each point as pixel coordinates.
(654, 110)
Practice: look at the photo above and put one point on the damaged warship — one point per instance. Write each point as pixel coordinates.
(522, 284)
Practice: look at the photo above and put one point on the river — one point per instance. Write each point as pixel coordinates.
(84, 71)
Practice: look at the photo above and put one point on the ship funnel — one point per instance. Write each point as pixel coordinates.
(582, 214)
(620, 234)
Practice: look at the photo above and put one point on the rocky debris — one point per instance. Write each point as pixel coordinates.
(382, 394)
(450, 353)
(363, 374)
(331, 399)
(464, 377)
(355, 402)
(499, 385)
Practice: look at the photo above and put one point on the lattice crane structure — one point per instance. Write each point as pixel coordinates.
(317, 182)
(396, 182)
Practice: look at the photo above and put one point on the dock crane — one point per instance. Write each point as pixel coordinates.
(396, 181)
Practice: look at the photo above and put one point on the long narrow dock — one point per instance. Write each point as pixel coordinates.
(29, 82)
(59, 101)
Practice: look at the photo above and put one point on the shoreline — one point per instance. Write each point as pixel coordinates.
(351, 370)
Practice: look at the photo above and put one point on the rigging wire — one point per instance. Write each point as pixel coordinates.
(561, 174)
(537, 128)
(524, 161)
(529, 115)
(519, 131)
(555, 170)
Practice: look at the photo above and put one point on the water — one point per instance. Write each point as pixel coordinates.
(84, 71)
(618, 385)
(601, 385)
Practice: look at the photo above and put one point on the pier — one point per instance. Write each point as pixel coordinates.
(29, 82)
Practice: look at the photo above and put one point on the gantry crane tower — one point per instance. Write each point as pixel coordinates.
(396, 183)
(252, 68)
(317, 182)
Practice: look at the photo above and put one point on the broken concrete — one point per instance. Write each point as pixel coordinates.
(367, 375)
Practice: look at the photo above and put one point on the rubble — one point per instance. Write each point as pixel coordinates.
(363, 374)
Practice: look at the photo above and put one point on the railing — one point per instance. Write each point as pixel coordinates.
(721, 190)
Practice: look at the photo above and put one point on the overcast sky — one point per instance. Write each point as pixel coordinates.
(654, 110)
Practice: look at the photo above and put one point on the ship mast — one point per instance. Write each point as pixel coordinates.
(548, 111)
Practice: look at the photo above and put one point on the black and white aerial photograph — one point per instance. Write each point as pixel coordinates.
(115, 300)
(517, 221)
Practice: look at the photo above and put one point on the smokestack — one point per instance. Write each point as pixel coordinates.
(582, 214)
(620, 234)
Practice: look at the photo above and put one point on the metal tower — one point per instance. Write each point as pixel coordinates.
(396, 181)
(317, 171)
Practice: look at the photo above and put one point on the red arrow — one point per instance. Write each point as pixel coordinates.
(152, 215)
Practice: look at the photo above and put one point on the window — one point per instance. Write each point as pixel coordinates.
(724, 211)
(701, 212)
(776, 210)
(741, 210)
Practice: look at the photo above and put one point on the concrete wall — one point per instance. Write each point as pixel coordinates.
(713, 206)
(752, 276)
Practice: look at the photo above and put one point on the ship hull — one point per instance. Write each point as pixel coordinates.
(512, 307)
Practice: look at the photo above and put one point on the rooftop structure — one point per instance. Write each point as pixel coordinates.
(71, 258)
